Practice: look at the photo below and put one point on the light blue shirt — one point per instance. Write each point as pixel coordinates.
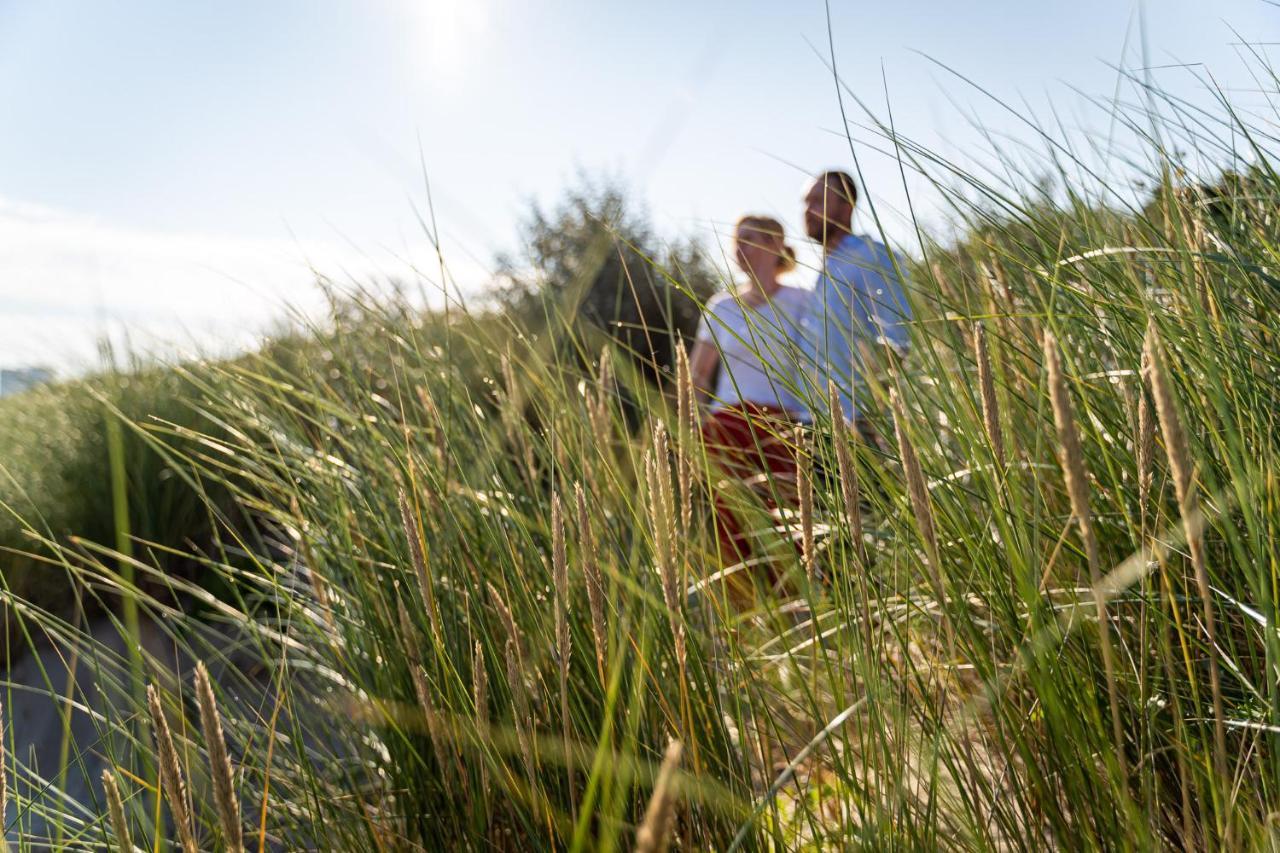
(858, 297)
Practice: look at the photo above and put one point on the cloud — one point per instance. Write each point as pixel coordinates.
(69, 281)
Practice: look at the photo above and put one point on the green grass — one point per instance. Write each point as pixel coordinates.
(372, 509)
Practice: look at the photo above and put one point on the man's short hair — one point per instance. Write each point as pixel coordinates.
(848, 188)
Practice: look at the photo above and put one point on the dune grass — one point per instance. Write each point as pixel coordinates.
(471, 607)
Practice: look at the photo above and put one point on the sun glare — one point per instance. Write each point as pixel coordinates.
(442, 34)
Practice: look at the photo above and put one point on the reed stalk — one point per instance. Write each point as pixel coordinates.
(1076, 476)
(1183, 469)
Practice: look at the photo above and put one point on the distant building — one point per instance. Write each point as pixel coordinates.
(21, 378)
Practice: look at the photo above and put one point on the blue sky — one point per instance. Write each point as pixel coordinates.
(171, 169)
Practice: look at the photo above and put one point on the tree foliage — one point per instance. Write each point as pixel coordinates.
(594, 258)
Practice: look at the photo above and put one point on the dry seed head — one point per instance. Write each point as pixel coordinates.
(560, 572)
(1146, 446)
(944, 283)
(999, 280)
(480, 687)
(987, 384)
(599, 407)
(480, 702)
(917, 489)
(605, 374)
(687, 416)
(115, 808)
(654, 834)
(849, 490)
(428, 401)
(1193, 235)
(658, 473)
(560, 579)
(224, 794)
(661, 512)
(508, 621)
(436, 425)
(686, 397)
(175, 788)
(1175, 438)
(591, 573)
(1070, 452)
(515, 655)
(804, 484)
(4, 771)
(516, 683)
(318, 587)
(852, 506)
(559, 449)
(418, 557)
(321, 593)
(426, 703)
(520, 703)
(1180, 464)
(1076, 476)
(508, 403)
(508, 376)
(409, 636)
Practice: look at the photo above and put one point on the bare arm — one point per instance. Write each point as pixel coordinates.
(703, 360)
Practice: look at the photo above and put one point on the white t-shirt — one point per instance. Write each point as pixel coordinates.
(759, 347)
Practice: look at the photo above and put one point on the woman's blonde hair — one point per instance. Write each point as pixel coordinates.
(768, 225)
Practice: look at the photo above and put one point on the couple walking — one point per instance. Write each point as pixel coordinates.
(766, 352)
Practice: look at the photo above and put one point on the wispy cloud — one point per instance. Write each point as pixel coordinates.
(69, 281)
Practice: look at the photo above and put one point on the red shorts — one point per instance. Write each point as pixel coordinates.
(755, 446)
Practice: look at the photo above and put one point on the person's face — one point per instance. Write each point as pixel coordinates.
(824, 206)
(756, 250)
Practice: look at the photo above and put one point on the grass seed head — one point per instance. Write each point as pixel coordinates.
(1145, 449)
(804, 484)
(115, 810)
(171, 779)
(1076, 476)
(654, 834)
(1070, 452)
(687, 416)
(520, 704)
(431, 714)
(658, 475)
(560, 579)
(224, 794)
(480, 687)
(917, 488)
(849, 486)
(504, 615)
(598, 407)
(987, 386)
(591, 574)
(1178, 451)
(480, 705)
(417, 554)
(4, 771)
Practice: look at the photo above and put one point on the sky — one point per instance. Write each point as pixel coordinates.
(174, 175)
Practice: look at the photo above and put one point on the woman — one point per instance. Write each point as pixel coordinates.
(742, 366)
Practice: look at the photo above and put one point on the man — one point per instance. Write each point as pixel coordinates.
(858, 303)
